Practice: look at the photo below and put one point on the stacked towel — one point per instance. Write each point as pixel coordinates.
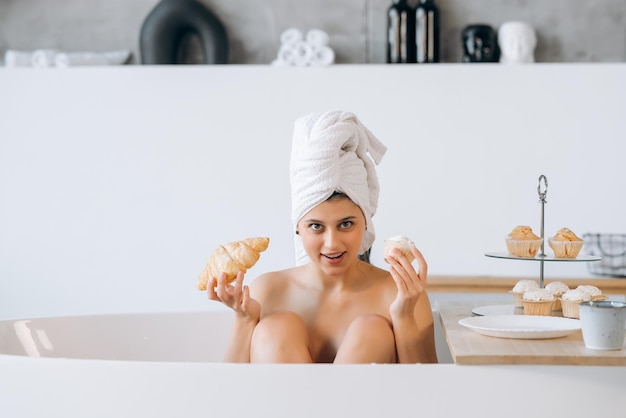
(330, 153)
(298, 51)
(17, 59)
(48, 58)
(43, 58)
(71, 59)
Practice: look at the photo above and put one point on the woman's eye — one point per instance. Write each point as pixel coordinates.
(315, 227)
(345, 224)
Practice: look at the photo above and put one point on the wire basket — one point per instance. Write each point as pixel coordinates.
(612, 249)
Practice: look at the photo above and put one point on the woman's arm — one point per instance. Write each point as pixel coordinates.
(247, 314)
(415, 336)
(410, 312)
(238, 350)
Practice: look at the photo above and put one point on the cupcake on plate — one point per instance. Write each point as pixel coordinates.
(404, 244)
(523, 242)
(537, 302)
(596, 294)
(565, 244)
(519, 289)
(557, 289)
(571, 300)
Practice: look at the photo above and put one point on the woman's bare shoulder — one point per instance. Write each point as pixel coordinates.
(273, 279)
(378, 274)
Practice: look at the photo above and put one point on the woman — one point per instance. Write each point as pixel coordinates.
(332, 307)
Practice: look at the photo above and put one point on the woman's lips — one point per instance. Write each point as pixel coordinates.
(334, 258)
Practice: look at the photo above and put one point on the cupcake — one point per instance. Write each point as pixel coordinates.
(565, 244)
(404, 244)
(523, 242)
(596, 294)
(537, 302)
(557, 289)
(571, 300)
(519, 289)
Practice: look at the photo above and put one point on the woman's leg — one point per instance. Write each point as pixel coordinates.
(280, 338)
(368, 339)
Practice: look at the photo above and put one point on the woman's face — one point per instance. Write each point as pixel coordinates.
(331, 234)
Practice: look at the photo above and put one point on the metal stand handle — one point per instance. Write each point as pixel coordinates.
(542, 191)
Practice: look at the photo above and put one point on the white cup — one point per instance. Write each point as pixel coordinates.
(603, 324)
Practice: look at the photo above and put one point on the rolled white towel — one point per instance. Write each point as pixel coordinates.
(291, 36)
(280, 63)
(68, 59)
(61, 60)
(333, 152)
(286, 55)
(317, 37)
(13, 58)
(303, 54)
(299, 54)
(322, 56)
(43, 58)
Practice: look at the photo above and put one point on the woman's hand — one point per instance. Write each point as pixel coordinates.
(236, 296)
(411, 283)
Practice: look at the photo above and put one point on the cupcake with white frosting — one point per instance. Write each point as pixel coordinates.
(596, 293)
(557, 289)
(404, 244)
(519, 289)
(571, 300)
(537, 302)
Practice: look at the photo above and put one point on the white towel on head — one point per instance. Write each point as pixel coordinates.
(330, 153)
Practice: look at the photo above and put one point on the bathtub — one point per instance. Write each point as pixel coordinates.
(169, 364)
(158, 337)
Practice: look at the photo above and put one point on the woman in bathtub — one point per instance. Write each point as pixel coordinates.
(332, 307)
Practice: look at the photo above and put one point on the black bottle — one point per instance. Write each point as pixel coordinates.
(426, 32)
(401, 33)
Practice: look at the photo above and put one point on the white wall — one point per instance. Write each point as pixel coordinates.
(117, 183)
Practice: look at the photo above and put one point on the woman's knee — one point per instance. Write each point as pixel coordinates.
(369, 338)
(372, 325)
(280, 337)
(279, 324)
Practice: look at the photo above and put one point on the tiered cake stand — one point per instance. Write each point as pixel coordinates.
(541, 257)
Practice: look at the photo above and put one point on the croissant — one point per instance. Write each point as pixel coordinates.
(231, 258)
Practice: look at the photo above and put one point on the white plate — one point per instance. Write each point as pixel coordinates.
(498, 310)
(527, 327)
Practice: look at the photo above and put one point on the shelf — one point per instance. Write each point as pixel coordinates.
(581, 258)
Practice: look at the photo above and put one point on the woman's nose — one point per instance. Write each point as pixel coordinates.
(330, 238)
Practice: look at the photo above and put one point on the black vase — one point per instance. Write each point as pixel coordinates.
(400, 33)
(480, 44)
(427, 32)
(172, 23)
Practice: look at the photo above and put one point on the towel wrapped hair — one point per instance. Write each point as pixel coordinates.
(330, 154)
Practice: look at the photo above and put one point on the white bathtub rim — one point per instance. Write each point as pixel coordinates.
(180, 336)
